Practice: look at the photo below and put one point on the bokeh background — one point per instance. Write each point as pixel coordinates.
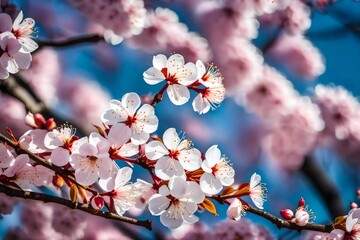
(77, 82)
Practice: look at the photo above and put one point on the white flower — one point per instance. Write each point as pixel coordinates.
(92, 160)
(123, 194)
(6, 158)
(23, 31)
(12, 59)
(25, 175)
(33, 140)
(60, 142)
(213, 93)
(176, 203)
(176, 73)
(144, 190)
(218, 172)
(301, 217)
(173, 156)
(235, 210)
(257, 191)
(142, 121)
(352, 227)
(118, 137)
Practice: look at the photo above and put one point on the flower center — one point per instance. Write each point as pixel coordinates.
(170, 78)
(92, 160)
(130, 120)
(174, 154)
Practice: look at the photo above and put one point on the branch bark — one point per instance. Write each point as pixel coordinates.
(82, 207)
(327, 190)
(16, 87)
(71, 41)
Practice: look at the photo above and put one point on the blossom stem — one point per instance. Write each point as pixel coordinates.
(82, 207)
(159, 96)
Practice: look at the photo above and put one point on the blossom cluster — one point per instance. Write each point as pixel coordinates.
(184, 178)
(16, 44)
(180, 77)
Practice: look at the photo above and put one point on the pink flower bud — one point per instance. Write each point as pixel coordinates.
(50, 124)
(301, 217)
(39, 120)
(353, 205)
(287, 214)
(97, 202)
(301, 203)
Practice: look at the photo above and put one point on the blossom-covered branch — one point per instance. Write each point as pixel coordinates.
(83, 207)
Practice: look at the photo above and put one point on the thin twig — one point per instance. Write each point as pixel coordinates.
(82, 207)
(71, 41)
(17, 88)
(287, 224)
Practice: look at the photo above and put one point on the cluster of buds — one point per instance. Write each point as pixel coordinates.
(302, 215)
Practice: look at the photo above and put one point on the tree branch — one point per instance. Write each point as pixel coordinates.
(71, 41)
(62, 172)
(82, 207)
(287, 224)
(327, 190)
(16, 87)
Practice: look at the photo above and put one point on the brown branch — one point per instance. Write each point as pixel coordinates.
(16, 87)
(62, 172)
(82, 207)
(287, 224)
(71, 41)
(325, 187)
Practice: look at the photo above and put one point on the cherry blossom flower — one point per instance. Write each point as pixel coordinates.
(235, 210)
(123, 194)
(118, 137)
(92, 160)
(352, 227)
(302, 58)
(23, 30)
(176, 73)
(33, 140)
(257, 191)
(301, 217)
(339, 109)
(214, 91)
(142, 121)
(7, 204)
(173, 155)
(124, 18)
(6, 157)
(23, 174)
(177, 202)
(60, 141)
(12, 59)
(218, 172)
(144, 192)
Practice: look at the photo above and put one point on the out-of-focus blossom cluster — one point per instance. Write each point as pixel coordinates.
(16, 44)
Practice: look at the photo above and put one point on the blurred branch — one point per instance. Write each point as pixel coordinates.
(327, 190)
(290, 225)
(16, 87)
(71, 41)
(82, 207)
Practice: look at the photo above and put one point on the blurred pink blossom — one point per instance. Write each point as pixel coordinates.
(299, 56)
(7, 204)
(124, 18)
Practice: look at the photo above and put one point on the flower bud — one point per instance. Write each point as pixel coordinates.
(97, 202)
(301, 217)
(353, 205)
(58, 181)
(39, 120)
(50, 124)
(301, 203)
(358, 193)
(287, 214)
